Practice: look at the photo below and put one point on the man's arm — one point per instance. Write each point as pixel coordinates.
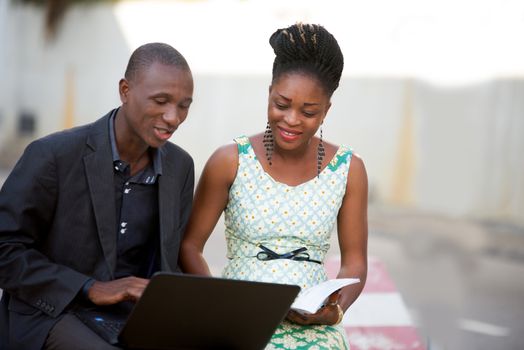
(27, 207)
(186, 197)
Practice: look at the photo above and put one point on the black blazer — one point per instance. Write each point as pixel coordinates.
(58, 226)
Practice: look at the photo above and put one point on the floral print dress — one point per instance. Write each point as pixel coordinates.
(283, 218)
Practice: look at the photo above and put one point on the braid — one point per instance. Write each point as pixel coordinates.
(308, 48)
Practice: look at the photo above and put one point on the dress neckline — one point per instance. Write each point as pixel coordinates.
(339, 148)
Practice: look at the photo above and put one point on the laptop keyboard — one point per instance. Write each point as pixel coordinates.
(111, 326)
(108, 327)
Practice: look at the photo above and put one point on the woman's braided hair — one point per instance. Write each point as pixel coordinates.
(309, 49)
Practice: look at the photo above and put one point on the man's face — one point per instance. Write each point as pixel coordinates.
(155, 102)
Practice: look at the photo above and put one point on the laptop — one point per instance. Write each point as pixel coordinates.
(179, 311)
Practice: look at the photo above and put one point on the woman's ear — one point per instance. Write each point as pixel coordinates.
(327, 109)
(325, 113)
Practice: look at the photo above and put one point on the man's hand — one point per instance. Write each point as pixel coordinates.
(326, 315)
(113, 292)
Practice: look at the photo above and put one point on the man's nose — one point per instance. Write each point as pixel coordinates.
(171, 116)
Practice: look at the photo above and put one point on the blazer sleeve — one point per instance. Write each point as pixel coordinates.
(186, 198)
(27, 206)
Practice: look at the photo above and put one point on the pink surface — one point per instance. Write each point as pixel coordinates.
(384, 338)
(378, 280)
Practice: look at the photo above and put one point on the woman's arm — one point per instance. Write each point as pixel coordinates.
(352, 237)
(210, 200)
(353, 232)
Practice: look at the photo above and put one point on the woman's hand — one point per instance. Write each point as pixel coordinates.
(329, 314)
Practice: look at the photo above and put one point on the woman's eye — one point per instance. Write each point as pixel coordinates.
(280, 106)
(309, 114)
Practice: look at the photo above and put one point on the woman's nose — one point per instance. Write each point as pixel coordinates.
(291, 118)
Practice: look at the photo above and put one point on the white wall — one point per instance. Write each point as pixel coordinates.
(448, 149)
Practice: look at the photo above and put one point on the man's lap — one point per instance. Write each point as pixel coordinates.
(71, 333)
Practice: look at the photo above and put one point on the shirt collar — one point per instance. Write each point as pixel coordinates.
(119, 164)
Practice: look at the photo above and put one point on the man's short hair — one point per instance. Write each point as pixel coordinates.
(147, 54)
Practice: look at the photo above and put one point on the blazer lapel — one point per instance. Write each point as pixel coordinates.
(99, 173)
(169, 242)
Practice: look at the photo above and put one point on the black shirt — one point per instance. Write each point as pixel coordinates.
(137, 213)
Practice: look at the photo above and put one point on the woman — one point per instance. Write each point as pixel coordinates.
(284, 189)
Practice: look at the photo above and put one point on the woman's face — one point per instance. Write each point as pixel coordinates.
(297, 107)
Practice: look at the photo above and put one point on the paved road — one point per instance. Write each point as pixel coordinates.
(461, 279)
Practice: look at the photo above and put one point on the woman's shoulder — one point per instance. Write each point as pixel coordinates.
(222, 165)
(225, 154)
(344, 154)
(337, 154)
(243, 144)
(343, 148)
(357, 176)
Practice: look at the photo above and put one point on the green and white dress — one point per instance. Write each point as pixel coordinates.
(283, 218)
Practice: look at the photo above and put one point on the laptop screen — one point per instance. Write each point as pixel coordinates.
(196, 312)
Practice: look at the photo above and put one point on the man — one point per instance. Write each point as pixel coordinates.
(88, 214)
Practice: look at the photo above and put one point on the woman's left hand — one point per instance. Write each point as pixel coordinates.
(328, 314)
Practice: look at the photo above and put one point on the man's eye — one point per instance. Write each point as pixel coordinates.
(280, 106)
(161, 101)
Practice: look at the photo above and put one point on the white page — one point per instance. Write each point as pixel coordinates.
(313, 298)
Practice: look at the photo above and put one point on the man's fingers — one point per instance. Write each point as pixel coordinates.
(134, 293)
(113, 292)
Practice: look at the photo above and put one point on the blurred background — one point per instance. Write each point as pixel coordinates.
(432, 98)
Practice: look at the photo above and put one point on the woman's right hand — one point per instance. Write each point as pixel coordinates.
(330, 314)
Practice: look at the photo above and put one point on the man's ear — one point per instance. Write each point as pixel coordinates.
(123, 89)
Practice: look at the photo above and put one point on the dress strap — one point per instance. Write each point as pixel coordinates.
(342, 156)
(243, 144)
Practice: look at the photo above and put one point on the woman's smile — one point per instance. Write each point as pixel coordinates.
(289, 135)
